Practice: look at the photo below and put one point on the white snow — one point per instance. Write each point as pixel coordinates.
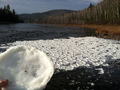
(67, 54)
(74, 52)
(101, 71)
(26, 68)
(92, 84)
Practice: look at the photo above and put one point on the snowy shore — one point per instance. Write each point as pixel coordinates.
(71, 53)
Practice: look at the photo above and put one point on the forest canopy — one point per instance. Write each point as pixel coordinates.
(105, 12)
(8, 16)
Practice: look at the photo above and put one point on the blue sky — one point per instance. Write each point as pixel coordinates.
(34, 6)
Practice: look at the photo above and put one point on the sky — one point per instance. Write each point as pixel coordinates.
(38, 6)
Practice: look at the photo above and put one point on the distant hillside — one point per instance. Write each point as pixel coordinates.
(105, 12)
(35, 16)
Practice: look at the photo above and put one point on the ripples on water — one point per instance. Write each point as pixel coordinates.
(13, 32)
(42, 27)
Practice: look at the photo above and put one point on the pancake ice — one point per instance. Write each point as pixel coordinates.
(26, 68)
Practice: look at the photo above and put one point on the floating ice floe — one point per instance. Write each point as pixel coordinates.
(26, 68)
(101, 71)
(72, 53)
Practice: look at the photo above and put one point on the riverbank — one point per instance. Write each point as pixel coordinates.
(104, 31)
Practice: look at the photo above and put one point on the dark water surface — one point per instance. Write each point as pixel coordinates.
(45, 28)
(84, 78)
(19, 32)
(81, 78)
(37, 27)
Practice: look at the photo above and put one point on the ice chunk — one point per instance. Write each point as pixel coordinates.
(26, 68)
(101, 71)
(92, 84)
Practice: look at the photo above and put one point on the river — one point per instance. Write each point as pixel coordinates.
(26, 31)
(71, 48)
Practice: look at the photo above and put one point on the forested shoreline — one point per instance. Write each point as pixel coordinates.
(8, 16)
(105, 12)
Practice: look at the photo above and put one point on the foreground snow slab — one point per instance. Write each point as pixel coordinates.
(26, 68)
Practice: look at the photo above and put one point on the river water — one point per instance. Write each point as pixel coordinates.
(46, 28)
(81, 78)
(24, 31)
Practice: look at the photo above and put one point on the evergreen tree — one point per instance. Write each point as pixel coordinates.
(8, 7)
(105, 12)
(8, 16)
(91, 5)
(13, 12)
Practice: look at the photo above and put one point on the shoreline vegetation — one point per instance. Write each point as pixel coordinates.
(104, 17)
(104, 31)
(8, 16)
(107, 12)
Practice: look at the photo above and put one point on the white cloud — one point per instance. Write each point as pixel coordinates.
(96, 1)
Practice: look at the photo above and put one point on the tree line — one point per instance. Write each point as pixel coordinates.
(8, 16)
(105, 12)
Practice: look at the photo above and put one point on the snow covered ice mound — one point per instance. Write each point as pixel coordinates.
(26, 68)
